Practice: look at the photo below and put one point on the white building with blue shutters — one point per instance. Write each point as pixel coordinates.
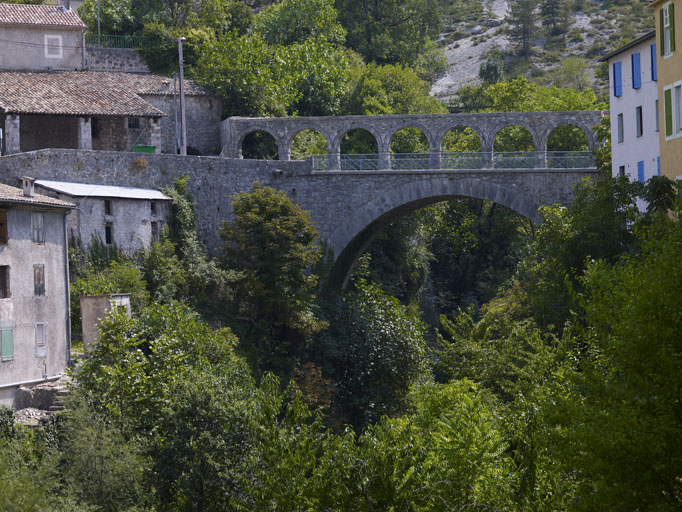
(633, 100)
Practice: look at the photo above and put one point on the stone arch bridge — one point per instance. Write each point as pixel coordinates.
(349, 207)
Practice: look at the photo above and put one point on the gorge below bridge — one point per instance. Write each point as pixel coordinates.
(351, 198)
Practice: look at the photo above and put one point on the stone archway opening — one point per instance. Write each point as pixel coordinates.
(568, 146)
(259, 145)
(306, 143)
(514, 148)
(461, 149)
(359, 150)
(409, 149)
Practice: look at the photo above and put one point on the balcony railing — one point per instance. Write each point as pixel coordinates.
(455, 161)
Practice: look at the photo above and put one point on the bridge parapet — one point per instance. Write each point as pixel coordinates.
(434, 126)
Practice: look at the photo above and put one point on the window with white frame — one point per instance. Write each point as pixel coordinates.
(41, 339)
(619, 127)
(53, 46)
(6, 343)
(39, 280)
(677, 103)
(667, 29)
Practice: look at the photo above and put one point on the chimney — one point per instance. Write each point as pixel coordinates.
(28, 186)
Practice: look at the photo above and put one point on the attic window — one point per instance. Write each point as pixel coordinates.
(53, 47)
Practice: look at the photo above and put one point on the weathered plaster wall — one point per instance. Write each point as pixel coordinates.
(30, 52)
(22, 310)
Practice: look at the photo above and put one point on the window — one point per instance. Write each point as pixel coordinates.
(617, 80)
(621, 171)
(640, 171)
(654, 68)
(636, 71)
(156, 230)
(656, 113)
(41, 339)
(133, 123)
(107, 207)
(4, 282)
(667, 29)
(94, 127)
(638, 121)
(37, 222)
(668, 111)
(6, 343)
(39, 280)
(53, 47)
(678, 108)
(620, 127)
(3, 227)
(108, 234)
(153, 207)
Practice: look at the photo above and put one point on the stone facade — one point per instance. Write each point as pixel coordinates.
(115, 59)
(349, 208)
(434, 126)
(41, 47)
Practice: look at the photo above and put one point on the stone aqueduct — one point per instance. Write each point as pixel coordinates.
(434, 126)
(349, 207)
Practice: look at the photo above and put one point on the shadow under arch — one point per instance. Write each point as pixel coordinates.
(259, 144)
(349, 241)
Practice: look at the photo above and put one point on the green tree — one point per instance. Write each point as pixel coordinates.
(273, 244)
(522, 19)
(295, 21)
(390, 31)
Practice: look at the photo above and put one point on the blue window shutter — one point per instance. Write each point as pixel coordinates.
(6, 344)
(636, 71)
(654, 69)
(640, 171)
(617, 80)
(658, 165)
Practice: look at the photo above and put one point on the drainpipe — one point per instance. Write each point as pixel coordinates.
(67, 295)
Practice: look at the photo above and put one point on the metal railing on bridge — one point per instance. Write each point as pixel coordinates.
(455, 161)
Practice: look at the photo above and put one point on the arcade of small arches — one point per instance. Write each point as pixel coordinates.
(433, 127)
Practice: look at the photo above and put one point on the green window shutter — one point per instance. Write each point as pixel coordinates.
(6, 344)
(668, 110)
(661, 35)
(671, 11)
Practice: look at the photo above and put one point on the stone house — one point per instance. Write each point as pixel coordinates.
(41, 37)
(130, 218)
(34, 288)
(633, 103)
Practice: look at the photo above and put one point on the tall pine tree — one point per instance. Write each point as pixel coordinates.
(522, 19)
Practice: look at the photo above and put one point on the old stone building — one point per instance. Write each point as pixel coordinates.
(131, 218)
(34, 288)
(41, 37)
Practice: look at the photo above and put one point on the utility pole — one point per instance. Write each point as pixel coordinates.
(99, 33)
(183, 133)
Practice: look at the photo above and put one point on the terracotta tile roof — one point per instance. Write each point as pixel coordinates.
(10, 194)
(75, 93)
(46, 15)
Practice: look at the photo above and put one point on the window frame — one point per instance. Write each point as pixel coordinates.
(639, 121)
(6, 345)
(108, 207)
(134, 123)
(38, 227)
(5, 291)
(59, 54)
(39, 280)
(109, 233)
(4, 229)
(620, 128)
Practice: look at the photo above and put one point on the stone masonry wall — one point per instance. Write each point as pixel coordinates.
(115, 59)
(342, 204)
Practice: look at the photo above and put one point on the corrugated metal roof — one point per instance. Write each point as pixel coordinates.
(50, 15)
(9, 194)
(93, 190)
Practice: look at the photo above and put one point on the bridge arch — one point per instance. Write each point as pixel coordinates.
(289, 137)
(268, 139)
(586, 130)
(346, 129)
(349, 240)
